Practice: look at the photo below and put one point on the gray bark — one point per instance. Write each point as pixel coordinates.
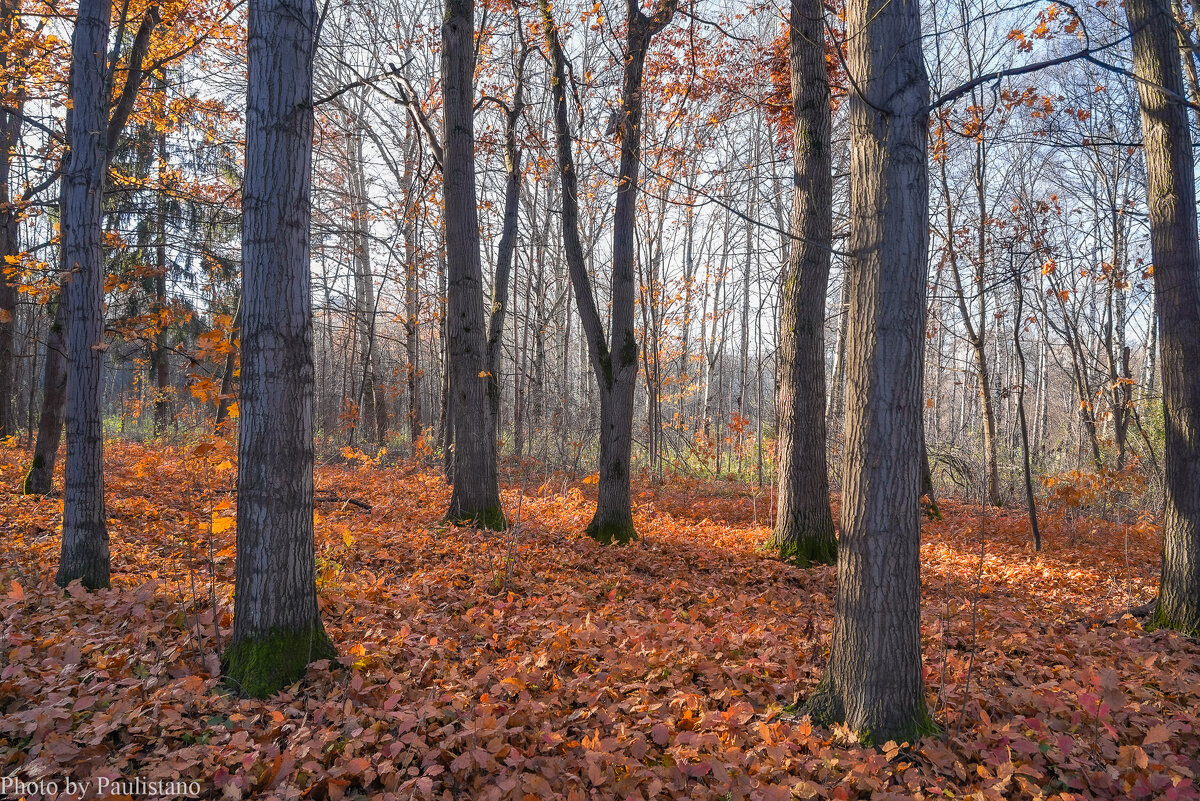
(615, 362)
(10, 248)
(277, 627)
(874, 680)
(1171, 201)
(476, 493)
(804, 524)
(85, 536)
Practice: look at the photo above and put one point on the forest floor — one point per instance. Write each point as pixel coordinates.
(539, 664)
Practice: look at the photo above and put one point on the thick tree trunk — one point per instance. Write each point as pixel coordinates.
(804, 531)
(874, 681)
(85, 535)
(277, 627)
(476, 495)
(1171, 200)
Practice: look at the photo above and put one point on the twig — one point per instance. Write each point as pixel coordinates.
(330, 498)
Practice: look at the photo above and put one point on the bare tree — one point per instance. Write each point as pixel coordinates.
(615, 361)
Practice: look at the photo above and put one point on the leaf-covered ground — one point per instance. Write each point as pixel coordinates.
(542, 665)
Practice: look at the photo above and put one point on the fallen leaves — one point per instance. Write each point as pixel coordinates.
(571, 670)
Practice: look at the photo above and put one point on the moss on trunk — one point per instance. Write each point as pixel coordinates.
(1160, 620)
(825, 708)
(621, 533)
(806, 551)
(263, 666)
(491, 517)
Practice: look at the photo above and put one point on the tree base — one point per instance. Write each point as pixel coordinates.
(90, 579)
(490, 517)
(930, 508)
(825, 708)
(262, 666)
(806, 551)
(1160, 620)
(36, 481)
(621, 533)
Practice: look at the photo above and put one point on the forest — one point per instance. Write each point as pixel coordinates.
(509, 399)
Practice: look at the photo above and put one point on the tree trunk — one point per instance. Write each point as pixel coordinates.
(368, 397)
(85, 535)
(476, 494)
(40, 478)
(225, 399)
(929, 502)
(1171, 201)
(1018, 323)
(10, 248)
(507, 246)
(615, 362)
(804, 531)
(162, 364)
(277, 627)
(874, 680)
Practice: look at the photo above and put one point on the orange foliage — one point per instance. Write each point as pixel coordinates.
(478, 666)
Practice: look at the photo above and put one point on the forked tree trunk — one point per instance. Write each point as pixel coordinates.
(804, 531)
(507, 246)
(874, 680)
(85, 535)
(1171, 200)
(476, 494)
(615, 361)
(106, 134)
(277, 627)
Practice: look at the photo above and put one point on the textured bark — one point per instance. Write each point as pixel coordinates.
(107, 133)
(277, 626)
(1171, 201)
(476, 493)
(804, 524)
(85, 535)
(874, 680)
